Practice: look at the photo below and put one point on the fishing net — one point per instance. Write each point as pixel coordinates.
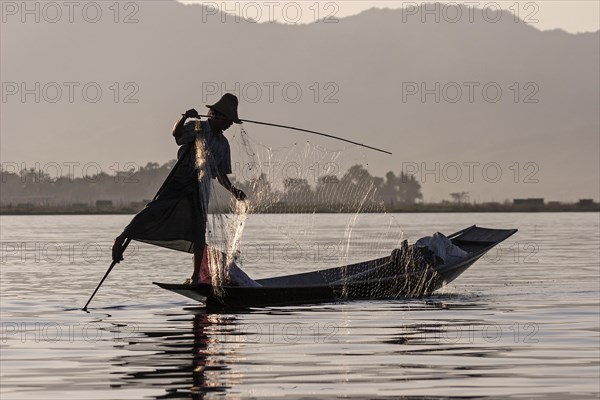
(310, 207)
(408, 272)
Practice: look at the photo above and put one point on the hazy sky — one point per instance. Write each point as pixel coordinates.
(571, 16)
(540, 134)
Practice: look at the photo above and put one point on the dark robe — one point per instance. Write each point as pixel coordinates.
(174, 218)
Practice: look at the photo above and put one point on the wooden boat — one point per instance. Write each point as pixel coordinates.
(382, 278)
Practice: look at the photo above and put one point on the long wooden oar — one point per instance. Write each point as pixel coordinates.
(125, 244)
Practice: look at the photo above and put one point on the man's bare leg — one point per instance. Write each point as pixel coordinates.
(197, 260)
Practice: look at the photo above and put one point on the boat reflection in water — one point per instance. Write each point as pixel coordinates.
(185, 357)
(326, 351)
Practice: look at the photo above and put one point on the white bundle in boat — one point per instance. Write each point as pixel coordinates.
(442, 247)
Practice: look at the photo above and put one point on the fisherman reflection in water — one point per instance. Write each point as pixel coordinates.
(176, 218)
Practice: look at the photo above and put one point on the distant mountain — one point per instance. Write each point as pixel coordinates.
(542, 134)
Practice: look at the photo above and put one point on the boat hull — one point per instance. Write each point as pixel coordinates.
(342, 284)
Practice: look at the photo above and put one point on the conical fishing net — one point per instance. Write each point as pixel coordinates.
(318, 208)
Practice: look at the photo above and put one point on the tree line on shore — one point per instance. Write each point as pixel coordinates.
(353, 188)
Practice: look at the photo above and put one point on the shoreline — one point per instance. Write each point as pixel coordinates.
(418, 208)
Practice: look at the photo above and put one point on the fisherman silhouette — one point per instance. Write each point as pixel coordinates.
(176, 218)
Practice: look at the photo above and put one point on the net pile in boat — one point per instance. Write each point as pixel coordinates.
(408, 272)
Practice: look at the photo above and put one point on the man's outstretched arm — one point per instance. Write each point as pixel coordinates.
(226, 183)
(117, 249)
(178, 127)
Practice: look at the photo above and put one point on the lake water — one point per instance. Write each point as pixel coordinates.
(522, 322)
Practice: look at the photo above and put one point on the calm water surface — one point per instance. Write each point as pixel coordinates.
(523, 322)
